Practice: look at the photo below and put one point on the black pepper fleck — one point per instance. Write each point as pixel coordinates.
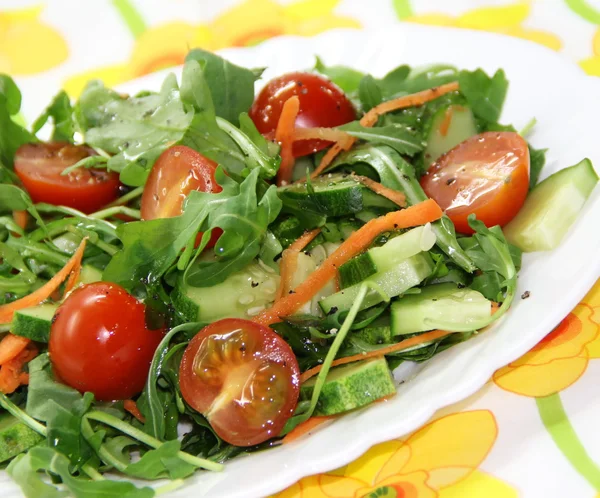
(525, 295)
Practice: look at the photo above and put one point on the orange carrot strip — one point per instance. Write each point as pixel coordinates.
(132, 407)
(21, 218)
(413, 100)
(407, 343)
(24, 378)
(284, 134)
(304, 428)
(11, 371)
(329, 134)
(11, 346)
(419, 214)
(289, 261)
(327, 159)
(41, 294)
(393, 195)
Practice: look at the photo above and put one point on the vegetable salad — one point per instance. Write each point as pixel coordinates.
(200, 272)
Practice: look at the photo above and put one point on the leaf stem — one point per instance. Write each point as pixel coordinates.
(141, 436)
(29, 421)
(167, 488)
(556, 421)
(136, 192)
(111, 211)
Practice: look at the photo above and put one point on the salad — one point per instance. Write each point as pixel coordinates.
(201, 272)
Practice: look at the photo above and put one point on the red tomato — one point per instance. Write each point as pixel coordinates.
(322, 104)
(177, 172)
(39, 167)
(243, 377)
(99, 342)
(487, 175)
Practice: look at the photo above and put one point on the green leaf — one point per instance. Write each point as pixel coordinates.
(537, 160)
(10, 90)
(393, 82)
(12, 135)
(485, 95)
(13, 198)
(60, 111)
(369, 93)
(346, 78)
(135, 129)
(161, 462)
(24, 470)
(231, 86)
(397, 136)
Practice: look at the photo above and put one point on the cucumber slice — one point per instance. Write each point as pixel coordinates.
(378, 332)
(551, 208)
(15, 437)
(34, 323)
(351, 386)
(332, 195)
(243, 295)
(449, 126)
(378, 259)
(89, 274)
(440, 306)
(393, 282)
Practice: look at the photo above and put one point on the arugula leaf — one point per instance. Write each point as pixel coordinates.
(231, 86)
(60, 111)
(346, 78)
(485, 95)
(369, 93)
(62, 408)
(12, 135)
(24, 470)
(13, 198)
(399, 137)
(244, 220)
(393, 81)
(161, 462)
(135, 129)
(537, 160)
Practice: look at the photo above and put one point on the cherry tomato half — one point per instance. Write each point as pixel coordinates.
(487, 175)
(177, 172)
(321, 104)
(243, 377)
(99, 342)
(39, 167)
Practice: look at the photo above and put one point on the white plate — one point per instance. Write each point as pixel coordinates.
(566, 104)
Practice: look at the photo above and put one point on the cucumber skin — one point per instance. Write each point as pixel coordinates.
(462, 126)
(364, 383)
(16, 438)
(35, 328)
(521, 231)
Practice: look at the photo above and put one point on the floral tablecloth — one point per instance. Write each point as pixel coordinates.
(533, 429)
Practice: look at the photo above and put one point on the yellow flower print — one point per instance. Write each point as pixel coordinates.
(439, 460)
(558, 360)
(506, 19)
(22, 37)
(249, 23)
(592, 64)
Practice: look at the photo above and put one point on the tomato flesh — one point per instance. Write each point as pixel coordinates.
(243, 377)
(177, 172)
(99, 342)
(322, 104)
(486, 175)
(39, 167)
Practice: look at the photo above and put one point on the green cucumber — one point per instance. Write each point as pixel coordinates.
(551, 208)
(89, 274)
(34, 323)
(243, 295)
(377, 332)
(378, 259)
(440, 306)
(393, 282)
(15, 437)
(449, 126)
(351, 386)
(332, 195)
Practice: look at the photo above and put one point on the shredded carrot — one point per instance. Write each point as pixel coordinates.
(21, 218)
(445, 126)
(371, 117)
(407, 343)
(329, 134)
(10, 347)
(41, 294)
(289, 261)
(132, 407)
(419, 214)
(11, 372)
(305, 428)
(393, 195)
(284, 134)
